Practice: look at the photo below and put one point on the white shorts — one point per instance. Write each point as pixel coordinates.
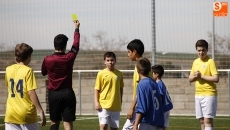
(129, 123)
(111, 118)
(144, 126)
(166, 117)
(33, 126)
(206, 106)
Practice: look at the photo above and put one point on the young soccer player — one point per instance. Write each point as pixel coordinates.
(135, 51)
(149, 109)
(158, 72)
(204, 74)
(22, 101)
(108, 93)
(59, 68)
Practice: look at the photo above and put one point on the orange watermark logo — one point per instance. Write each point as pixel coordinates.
(220, 8)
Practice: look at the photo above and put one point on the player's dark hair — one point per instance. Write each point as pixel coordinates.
(137, 45)
(60, 42)
(158, 69)
(143, 66)
(22, 52)
(201, 43)
(109, 54)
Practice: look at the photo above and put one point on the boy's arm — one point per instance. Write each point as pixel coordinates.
(132, 108)
(121, 91)
(121, 86)
(96, 100)
(193, 76)
(43, 68)
(140, 107)
(198, 75)
(213, 78)
(35, 101)
(138, 119)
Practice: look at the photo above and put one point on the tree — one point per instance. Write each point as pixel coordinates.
(102, 42)
(221, 51)
(222, 44)
(6, 56)
(2, 47)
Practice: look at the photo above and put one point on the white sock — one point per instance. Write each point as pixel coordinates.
(208, 128)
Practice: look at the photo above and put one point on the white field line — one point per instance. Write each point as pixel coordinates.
(189, 118)
(81, 118)
(87, 118)
(186, 118)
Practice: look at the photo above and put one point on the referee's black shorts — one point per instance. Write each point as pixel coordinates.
(62, 105)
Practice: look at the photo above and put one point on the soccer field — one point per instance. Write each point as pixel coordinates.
(176, 123)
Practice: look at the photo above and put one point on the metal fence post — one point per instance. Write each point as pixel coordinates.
(229, 92)
(47, 93)
(79, 83)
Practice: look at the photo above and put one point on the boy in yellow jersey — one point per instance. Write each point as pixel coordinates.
(135, 51)
(204, 74)
(22, 102)
(108, 93)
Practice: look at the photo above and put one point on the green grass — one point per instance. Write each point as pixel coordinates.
(176, 123)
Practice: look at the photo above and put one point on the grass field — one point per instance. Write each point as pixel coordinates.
(176, 123)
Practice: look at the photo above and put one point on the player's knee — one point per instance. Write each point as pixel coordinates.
(208, 121)
(201, 121)
(103, 127)
(54, 127)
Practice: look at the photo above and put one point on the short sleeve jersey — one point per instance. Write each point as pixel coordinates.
(109, 83)
(166, 101)
(20, 80)
(208, 68)
(149, 102)
(136, 79)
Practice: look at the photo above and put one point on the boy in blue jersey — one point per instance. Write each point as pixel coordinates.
(149, 109)
(158, 72)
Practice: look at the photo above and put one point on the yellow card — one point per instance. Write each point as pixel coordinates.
(74, 17)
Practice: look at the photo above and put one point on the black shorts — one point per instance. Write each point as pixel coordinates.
(62, 105)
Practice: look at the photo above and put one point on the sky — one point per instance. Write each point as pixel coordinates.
(179, 23)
